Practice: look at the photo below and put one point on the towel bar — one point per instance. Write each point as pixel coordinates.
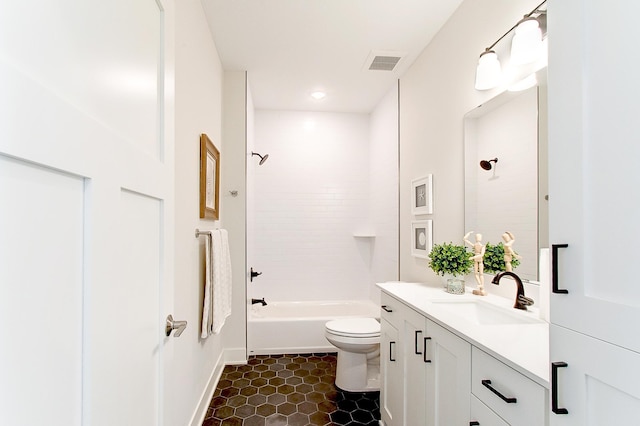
(199, 232)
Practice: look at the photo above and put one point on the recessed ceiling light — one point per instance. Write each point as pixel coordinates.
(318, 95)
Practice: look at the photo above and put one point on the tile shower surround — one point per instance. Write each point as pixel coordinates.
(288, 390)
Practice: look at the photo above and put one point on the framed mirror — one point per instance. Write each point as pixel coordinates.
(506, 173)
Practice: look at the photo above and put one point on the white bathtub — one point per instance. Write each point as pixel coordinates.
(298, 327)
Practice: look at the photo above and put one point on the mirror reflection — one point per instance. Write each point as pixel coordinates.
(505, 181)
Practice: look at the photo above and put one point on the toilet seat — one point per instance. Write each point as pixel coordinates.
(354, 327)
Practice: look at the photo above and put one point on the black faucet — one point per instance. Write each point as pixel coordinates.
(254, 301)
(522, 301)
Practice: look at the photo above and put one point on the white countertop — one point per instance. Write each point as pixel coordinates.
(524, 347)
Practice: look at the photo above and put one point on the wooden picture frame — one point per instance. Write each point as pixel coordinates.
(421, 238)
(422, 195)
(209, 179)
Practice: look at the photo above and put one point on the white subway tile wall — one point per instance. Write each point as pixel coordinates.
(309, 198)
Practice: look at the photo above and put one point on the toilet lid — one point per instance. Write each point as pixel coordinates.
(354, 327)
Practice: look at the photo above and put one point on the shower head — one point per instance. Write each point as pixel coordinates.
(486, 165)
(263, 158)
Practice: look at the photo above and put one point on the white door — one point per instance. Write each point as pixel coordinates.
(86, 211)
(391, 374)
(598, 383)
(593, 205)
(593, 167)
(448, 377)
(414, 342)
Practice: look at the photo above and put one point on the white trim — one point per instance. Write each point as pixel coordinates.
(235, 356)
(201, 410)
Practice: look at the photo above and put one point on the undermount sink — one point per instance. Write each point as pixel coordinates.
(484, 313)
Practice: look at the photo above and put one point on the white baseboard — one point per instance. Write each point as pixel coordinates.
(207, 394)
(228, 356)
(235, 356)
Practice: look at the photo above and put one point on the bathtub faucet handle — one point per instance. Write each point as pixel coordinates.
(254, 274)
(254, 301)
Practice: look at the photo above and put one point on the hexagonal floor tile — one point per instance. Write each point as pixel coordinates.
(290, 390)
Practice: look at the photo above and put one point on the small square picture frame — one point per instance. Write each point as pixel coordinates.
(421, 238)
(422, 195)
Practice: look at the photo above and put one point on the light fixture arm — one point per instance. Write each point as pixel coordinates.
(528, 15)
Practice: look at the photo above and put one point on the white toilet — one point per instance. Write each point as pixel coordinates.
(358, 343)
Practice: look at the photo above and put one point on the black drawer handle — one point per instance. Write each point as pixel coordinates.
(474, 423)
(554, 268)
(554, 387)
(415, 342)
(386, 308)
(487, 384)
(424, 347)
(391, 346)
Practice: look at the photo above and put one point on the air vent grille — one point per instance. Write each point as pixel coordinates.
(384, 63)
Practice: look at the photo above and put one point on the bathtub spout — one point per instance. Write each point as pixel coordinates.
(254, 301)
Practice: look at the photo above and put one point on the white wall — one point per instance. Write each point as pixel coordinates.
(383, 190)
(233, 211)
(435, 93)
(310, 196)
(198, 86)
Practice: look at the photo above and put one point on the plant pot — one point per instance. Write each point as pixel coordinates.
(455, 285)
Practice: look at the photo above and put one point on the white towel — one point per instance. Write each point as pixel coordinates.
(222, 283)
(208, 275)
(218, 292)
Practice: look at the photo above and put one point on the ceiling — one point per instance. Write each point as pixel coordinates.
(292, 48)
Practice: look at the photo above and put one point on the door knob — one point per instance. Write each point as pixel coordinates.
(178, 326)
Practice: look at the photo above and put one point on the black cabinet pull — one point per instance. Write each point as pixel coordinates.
(424, 348)
(474, 423)
(554, 387)
(554, 268)
(386, 308)
(487, 384)
(391, 346)
(415, 342)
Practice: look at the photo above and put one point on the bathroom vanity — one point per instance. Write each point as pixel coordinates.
(460, 359)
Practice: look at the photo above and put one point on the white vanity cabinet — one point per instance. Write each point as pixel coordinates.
(513, 397)
(391, 363)
(433, 377)
(432, 369)
(593, 213)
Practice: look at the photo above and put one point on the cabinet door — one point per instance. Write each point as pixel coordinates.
(481, 415)
(593, 167)
(448, 383)
(598, 386)
(391, 370)
(413, 343)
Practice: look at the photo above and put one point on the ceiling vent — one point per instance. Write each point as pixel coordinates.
(383, 61)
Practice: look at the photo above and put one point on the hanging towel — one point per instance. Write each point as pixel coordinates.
(217, 292)
(208, 288)
(222, 282)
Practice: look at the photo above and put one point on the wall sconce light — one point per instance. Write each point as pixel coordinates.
(486, 164)
(489, 71)
(526, 45)
(526, 48)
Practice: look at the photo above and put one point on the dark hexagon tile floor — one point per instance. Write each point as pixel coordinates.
(293, 390)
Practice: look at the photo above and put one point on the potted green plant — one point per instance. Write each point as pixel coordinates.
(451, 260)
(494, 259)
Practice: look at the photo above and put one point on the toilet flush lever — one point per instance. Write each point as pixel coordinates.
(254, 274)
(171, 325)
